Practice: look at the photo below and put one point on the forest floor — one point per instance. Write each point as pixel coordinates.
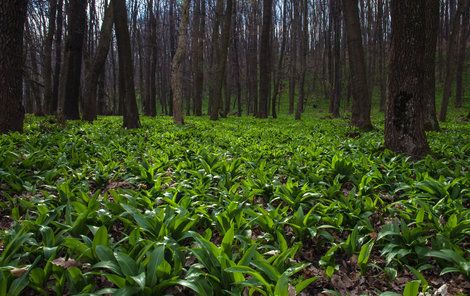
(233, 207)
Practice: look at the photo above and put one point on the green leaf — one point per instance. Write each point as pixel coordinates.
(411, 288)
(128, 265)
(304, 284)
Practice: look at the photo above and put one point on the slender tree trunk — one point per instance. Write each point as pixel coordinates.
(278, 74)
(265, 60)
(220, 42)
(198, 55)
(404, 130)
(451, 61)
(58, 58)
(361, 101)
(303, 31)
(74, 50)
(151, 109)
(335, 7)
(461, 58)
(13, 16)
(126, 68)
(48, 56)
(429, 90)
(177, 66)
(98, 63)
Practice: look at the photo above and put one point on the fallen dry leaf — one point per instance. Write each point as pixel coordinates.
(61, 262)
(18, 272)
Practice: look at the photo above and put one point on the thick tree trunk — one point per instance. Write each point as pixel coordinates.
(74, 49)
(126, 68)
(177, 66)
(265, 60)
(429, 90)
(13, 16)
(98, 63)
(404, 129)
(451, 61)
(361, 101)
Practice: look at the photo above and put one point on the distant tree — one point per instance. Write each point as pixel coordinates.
(73, 55)
(13, 16)
(404, 129)
(265, 60)
(126, 68)
(177, 66)
(361, 101)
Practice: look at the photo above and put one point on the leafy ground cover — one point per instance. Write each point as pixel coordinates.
(236, 207)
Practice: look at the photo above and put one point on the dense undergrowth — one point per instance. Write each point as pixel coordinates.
(240, 206)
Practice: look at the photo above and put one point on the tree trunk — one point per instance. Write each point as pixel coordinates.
(74, 49)
(177, 66)
(335, 7)
(198, 55)
(126, 68)
(58, 59)
(278, 74)
(48, 56)
(151, 109)
(265, 60)
(404, 129)
(429, 90)
(451, 62)
(303, 32)
(461, 58)
(220, 43)
(91, 80)
(361, 101)
(13, 16)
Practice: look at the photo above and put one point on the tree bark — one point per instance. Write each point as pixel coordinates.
(429, 91)
(126, 68)
(404, 129)
(74, 50)
(177, 67)
(13, 16)
(361, 101)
